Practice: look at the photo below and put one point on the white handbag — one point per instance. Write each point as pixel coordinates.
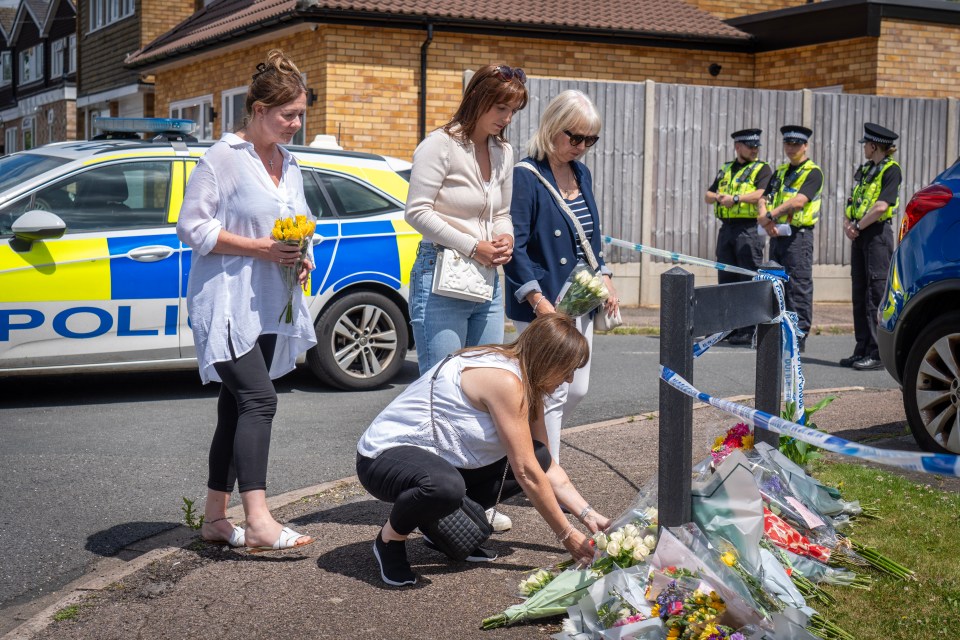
(457, 276)
(604, 321)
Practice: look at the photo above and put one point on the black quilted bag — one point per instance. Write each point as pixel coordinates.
(462, 531)
(459, 533)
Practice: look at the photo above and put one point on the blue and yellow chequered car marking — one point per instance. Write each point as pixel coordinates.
(133, 280)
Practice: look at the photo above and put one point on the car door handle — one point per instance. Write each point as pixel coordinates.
(153, 253)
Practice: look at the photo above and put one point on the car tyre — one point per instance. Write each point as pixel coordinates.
(362, 342)
(931, 386)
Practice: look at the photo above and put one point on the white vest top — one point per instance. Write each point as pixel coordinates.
(468, 437)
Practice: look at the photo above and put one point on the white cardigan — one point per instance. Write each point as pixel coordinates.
(448, 202)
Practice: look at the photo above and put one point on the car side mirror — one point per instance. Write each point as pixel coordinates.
(35, 225)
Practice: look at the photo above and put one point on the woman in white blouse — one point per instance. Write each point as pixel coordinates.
(236, 294)
(461, 178)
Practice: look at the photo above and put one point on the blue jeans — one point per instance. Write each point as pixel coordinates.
(441, 325)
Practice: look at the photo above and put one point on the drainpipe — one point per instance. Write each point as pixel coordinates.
(422, 118)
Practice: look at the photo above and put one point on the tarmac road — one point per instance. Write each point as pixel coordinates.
(92, 463)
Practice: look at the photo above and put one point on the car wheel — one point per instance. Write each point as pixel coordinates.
(931, 386)
(361, 342)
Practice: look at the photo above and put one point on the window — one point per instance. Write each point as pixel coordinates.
(57, 50)
(31, 64)
(6, 68)
(316, 200)
(105, 12)
(354, 199)
(72, 54)
(119, 196)
(232, 108)
(198, 110)
(28, 139)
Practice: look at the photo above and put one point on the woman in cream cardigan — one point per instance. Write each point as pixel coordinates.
(462, 178)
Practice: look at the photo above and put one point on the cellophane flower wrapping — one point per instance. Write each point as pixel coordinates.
(582, 292)
(296, 231)
(563, 591)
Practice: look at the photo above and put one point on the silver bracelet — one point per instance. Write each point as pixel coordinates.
(564, 535)
(542, 298)
(476, 246)
(583, 514)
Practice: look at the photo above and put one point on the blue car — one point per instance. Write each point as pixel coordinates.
(919, 318)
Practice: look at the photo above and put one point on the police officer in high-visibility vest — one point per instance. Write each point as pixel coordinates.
(870, 211)
(735, 192)
(791, 204)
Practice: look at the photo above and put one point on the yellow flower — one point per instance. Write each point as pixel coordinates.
(747, 442)
(718, 441)
(674, 632)
(729, 559)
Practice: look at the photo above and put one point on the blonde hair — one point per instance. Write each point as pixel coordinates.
(571, 110)
(484, 90)
(276, 82)
(548, 350)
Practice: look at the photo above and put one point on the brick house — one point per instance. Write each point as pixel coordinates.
(38, 71)
(108, 31)
(367, 62)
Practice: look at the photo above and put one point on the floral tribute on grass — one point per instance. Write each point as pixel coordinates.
(296, 231)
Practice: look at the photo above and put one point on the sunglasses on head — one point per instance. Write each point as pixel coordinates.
(576, 139)
(507, 74)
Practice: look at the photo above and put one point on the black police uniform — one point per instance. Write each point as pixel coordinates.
(871, 252)
(795, 252)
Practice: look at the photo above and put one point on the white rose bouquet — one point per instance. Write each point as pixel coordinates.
(583, 291)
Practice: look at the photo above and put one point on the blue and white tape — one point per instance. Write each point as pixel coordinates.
(938, 463)
(792, 368)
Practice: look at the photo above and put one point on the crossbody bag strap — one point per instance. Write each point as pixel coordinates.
(581, 236)
(436, 435)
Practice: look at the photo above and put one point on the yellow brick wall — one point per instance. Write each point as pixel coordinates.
(851, 63)
(159, 16)
(734, 8)
(918, 59)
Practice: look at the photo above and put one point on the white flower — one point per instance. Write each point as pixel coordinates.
(617, 536)
(631, 531)
(650, 542)
(624, 613)
(639, 553)
(583, 278)
(613, 548)
(569, 626)
(628, 543)
(600, 538)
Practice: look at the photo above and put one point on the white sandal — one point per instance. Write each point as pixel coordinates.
(237, 536)
(287, 540)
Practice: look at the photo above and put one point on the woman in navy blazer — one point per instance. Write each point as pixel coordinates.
(546, 248)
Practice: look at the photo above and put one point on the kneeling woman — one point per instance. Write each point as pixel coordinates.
(488, 406)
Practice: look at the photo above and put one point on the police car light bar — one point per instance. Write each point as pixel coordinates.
(144, 125)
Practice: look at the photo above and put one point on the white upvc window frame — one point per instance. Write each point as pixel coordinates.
(230, 121)
(31, 65)
(72, 55)
(104, 13)
(6, 68)
(27, 129)
(10, 140)
(205, 106)
(57, 59)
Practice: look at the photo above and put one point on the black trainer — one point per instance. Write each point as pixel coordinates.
(480, 554)
(392, 558)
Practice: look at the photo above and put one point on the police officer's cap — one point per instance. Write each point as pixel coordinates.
(796, 133)
(749, 137)
(876, 133)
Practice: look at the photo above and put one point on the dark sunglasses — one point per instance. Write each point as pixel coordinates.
(576, 139)
(507, 74)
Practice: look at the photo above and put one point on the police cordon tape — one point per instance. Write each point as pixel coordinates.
(939, 463)
(793, 379)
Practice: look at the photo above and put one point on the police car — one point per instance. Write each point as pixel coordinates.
(92, 275)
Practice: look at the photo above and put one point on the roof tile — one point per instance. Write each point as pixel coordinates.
(656, 19)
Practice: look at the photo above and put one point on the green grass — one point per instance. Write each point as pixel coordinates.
(67, 613)
(919, 528)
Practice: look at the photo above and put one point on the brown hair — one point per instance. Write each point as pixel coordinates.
(276, 82)
(548, 350)
(484, 90)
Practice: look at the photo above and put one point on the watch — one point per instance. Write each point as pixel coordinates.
(769, 216)
(856, 225)
(736, 199)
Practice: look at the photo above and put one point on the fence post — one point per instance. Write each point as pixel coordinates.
(676, 408)
(769, 370)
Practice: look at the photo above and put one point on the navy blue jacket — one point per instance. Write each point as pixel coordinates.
(545, 240)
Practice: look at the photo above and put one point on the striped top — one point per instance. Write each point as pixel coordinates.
(579, 208)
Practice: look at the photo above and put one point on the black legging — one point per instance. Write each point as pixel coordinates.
(424, 487)
(245, 410)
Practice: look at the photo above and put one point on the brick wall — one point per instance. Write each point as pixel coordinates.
(367, 80)
(734, 8)
(159, 16)
(851, 63)
(918, 59)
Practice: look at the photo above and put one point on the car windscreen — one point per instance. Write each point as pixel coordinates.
(18, 168)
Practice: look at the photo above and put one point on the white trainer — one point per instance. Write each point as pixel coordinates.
(500, 521)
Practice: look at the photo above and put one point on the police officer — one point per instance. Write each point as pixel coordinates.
(735, 192)
(793, 198)
(870, 210)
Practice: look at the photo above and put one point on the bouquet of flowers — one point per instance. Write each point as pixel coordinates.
(738, 437)
(583, 292)
(296, 231)
(625, 547)
(549, 599)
